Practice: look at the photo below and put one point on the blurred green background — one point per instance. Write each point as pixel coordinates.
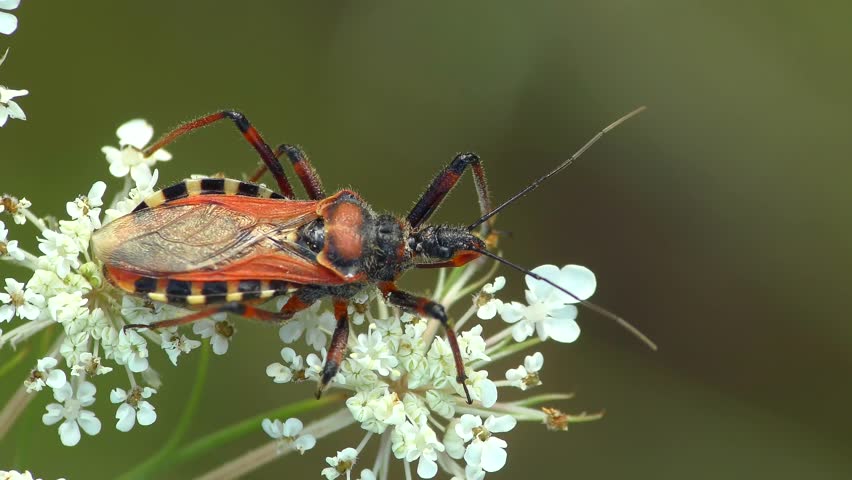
(715, 221)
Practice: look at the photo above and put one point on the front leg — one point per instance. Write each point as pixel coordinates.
(427, 308)
(444, 182)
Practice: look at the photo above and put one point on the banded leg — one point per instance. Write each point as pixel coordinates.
(241, 309)
(427, 308)
(337, 348)
(300, 300)
(444, 182)
(304, 170)
(249, 133)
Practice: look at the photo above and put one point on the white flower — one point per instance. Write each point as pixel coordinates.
(373, 353)
(485, 450)
(45, 373)
(25, 303)
(412, 442)
(73, 346)
(175, 343)
(294, 368)
(88, 206)
(309, 322)
(387, 409)
(9, 247)
(219, 332)
(340, 464)
(358, 307)
(488, 305)
(67, 307)
(472, 345)
(90, 365)
(8, 22)
(8, 107)
(15, 207)
(144, 189)
(70, 408)
(526, 376)
(367, 474)
(549, 312)
(481, 388)
(46, 283)
(16, 475)
(131, 350)
(132, 138)
(61, 252)
(134, 407)
(315, 365)
(288, 433)
(441, 403)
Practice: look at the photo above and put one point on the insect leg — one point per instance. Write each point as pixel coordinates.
(304, 170)
(444, 182)
(249, 133)
(427, 308)
(337, 349)
(232, 307)
(301, 299)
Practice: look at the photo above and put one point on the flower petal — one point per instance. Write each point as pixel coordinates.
(292, 427)
(136, 132)
(426, 467)
(493, 455)
(89, 422)
(126, 416)
(146, 414)
(503, 423)
(564, 330)
(15, 110)
(69, 433)
(56, 379)
(8, 23)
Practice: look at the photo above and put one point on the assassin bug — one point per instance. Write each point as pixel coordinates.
(222, 245)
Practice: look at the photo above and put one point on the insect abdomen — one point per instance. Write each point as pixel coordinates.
(195, 293)
(205, 186)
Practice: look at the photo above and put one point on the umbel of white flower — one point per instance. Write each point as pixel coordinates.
(404, 389)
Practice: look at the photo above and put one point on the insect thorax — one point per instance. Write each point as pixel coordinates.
(358, 242)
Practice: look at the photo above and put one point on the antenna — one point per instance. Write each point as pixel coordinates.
(591, 306)
(556, 170)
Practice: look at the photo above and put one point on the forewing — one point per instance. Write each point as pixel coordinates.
(204, 234)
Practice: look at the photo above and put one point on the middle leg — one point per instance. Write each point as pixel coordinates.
(303, 167)
(337, 348)
(427, 308)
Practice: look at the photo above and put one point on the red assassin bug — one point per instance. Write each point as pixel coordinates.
(221, 245)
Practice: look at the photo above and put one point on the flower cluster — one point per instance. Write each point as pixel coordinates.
(400, 380)
(16, 475)
(67, 290)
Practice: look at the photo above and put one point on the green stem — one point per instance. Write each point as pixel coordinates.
(224, 436)
(247, 426)
(153, 463)
(543, 398)
(14, 361)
